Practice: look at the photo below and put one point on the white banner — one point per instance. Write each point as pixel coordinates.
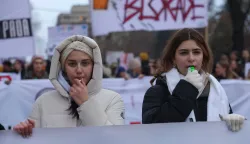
(171, 133)
(113, 56)
(9, 76)
(16, 38)
(131, 15)
(59, 33)
(238, 94)
(16, 100)
(247, 69)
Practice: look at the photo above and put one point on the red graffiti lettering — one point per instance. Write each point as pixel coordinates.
(136, 122)
(181, 7)
(5, 77)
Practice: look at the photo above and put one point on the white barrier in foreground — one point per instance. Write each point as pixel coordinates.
(16, 99)
(173, 133)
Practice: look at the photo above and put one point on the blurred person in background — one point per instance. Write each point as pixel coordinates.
(245, 58)
(37, 69)
(235, 71)
(120, 71)
(248, 75)
(7, 66)
(113, 67)
(79, 99)
(234, 56)
(145, 63)
(135, 69)
(224, 58)
(154, 65)
(107, 73)
(19, 68)
(221, 70)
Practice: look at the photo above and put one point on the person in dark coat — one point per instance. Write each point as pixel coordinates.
(7, 66)
(19, 68)
(1, 127)
(222, 71)
(185, 91)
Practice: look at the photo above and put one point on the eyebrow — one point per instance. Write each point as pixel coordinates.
(71, 60)
(183, 49)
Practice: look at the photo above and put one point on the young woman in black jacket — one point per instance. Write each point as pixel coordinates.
(182, 94)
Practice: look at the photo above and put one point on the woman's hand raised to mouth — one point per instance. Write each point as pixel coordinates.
(79, 92)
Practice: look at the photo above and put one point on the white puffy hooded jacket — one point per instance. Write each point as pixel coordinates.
(104, 107)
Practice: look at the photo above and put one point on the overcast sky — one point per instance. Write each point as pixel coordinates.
(46, 12)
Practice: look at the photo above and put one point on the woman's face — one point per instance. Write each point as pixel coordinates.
(245, 54)
(79, 66)
(233, 56)
(17, 66)
(188, 54)
(219, 70)
(233, 65)
(224, 58)
(38, 65)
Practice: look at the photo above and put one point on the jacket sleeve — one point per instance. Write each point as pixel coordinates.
(161, 107)
(36, 112)
(92, 114)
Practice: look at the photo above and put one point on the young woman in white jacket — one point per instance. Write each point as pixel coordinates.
(183, 95)
(79, 100)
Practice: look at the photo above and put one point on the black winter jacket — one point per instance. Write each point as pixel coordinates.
(159, 106)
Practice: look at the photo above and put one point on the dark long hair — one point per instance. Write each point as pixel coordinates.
(73, 109)
(73, 105)
(170, 50)
(23, 71)
(179, 37)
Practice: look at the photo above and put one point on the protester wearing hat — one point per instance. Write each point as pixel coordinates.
(145, 63)
(19, 68)
(37, 69)
(7, 66)
(134, 68)
(79, 99)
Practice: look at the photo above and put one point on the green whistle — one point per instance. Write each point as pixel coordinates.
(191, 68)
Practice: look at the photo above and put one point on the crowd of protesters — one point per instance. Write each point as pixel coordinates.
(229, 66)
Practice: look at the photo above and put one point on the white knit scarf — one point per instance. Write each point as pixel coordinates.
(217, 99)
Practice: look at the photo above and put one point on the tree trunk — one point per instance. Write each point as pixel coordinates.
(160, 43)
(238, 19)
